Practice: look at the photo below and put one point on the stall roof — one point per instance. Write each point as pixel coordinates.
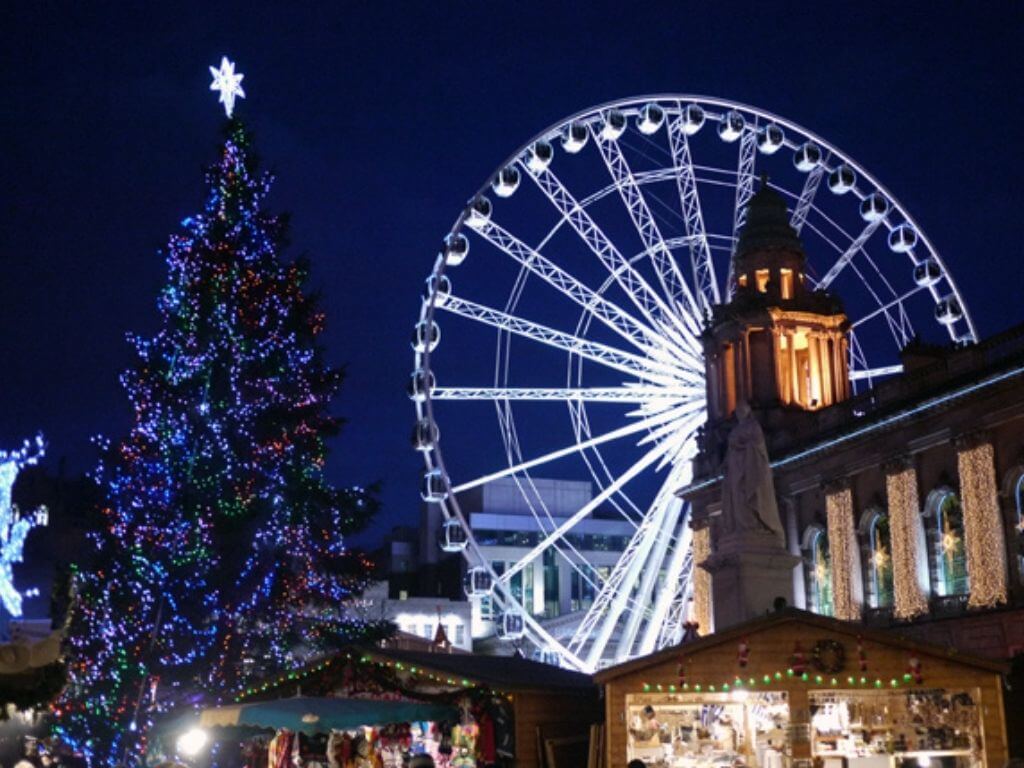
(795, 615)
(508, 673)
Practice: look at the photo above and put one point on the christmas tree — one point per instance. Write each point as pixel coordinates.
(222, 557)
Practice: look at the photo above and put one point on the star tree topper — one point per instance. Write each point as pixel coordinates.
(228, 83)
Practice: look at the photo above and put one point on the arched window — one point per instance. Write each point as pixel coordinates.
(880, 567)
(950, 553)
(821, 574)
(1018, 503)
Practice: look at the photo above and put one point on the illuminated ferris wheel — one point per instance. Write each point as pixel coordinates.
(560, 336)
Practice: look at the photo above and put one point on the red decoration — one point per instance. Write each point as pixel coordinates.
(743, 653)
(798, 661)
(862, 657)
(914, 669)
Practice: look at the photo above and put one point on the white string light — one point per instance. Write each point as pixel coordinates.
(843, 546)
(904, 520)
(983, 528)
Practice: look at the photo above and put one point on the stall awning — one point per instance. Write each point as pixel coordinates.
(321, 715)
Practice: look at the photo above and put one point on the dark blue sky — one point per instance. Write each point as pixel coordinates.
(380, 119)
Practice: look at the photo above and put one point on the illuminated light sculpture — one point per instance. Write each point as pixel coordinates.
(228, 83)
(13, 527)
(843, 544)
(907, 535)
(983, 525)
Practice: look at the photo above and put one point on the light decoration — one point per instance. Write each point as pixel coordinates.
(781, 679)
(14, 528)
(842, 539)
(904, 524)
(221, 559)
(702, 608)
(983, 527)
(228, 83)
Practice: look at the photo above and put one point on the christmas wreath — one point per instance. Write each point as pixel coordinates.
(828, 656)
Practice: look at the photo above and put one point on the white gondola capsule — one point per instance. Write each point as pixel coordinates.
(948, 310)
(693, 119)
(731, 126)
(420, 384)
(511, 626)
(874, 207)
(455, 248)
(424, 435)
(927, 273)
(574, 137)
(477, 582)
(435, 486)
(539, 156)
(771, 139)
(650, 119)
(549, 657)
(902, 238)
(452, 536)
(425, 336)
(614, 125)
(506, 182)
(807, 157)
(842, 179)
(439, 288)
(479, 212)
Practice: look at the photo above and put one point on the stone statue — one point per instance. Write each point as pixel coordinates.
(748, 493)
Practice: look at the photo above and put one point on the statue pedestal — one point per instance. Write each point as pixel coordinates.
(748, 572)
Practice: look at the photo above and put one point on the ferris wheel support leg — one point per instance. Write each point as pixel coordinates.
(673, 581)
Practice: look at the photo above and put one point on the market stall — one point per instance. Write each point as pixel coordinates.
(796, 689)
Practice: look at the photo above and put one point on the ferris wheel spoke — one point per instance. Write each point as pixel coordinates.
(744, 181)
(669, 275)
(885, 309)
(599, 623)
(673, 585)
(847, 256)
(596, 352)
(670, 631)
(872, 373)
(610, 314)
(626, 394)
(628, 279)
(693, 217)
(585, 511)
(806, 200)
(605, 437)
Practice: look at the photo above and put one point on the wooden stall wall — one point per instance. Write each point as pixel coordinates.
(771, 649)
(556, 716)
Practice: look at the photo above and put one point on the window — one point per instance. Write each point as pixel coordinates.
(460, 634)
(486, 603)
(582, 588)
(762, 277)
(1018, 497)
(786, 283)
(880, 566)
(742, 280)
(950, 553)
(551, 601)
(821, 574)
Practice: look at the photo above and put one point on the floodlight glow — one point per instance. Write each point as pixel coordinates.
(192, 742)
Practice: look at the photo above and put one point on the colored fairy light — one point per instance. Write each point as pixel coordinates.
(221, 561)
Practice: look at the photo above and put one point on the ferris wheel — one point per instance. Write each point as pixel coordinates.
(559, 335)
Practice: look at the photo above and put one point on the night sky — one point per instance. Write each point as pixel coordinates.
(381, 119)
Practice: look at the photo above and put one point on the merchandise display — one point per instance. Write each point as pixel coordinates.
(694, 731)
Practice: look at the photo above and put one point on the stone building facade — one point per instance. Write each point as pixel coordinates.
(904, 504)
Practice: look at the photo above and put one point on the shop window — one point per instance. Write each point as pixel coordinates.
(786, 283)
(880, 566)
(821, 575)
(762, 276)
(950, 552)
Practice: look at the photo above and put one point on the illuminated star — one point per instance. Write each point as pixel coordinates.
(228, 83)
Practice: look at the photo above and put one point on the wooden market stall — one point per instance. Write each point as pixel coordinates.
(795, 689)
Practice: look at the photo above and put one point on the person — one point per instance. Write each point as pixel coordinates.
(422, 761)
(636, 764)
